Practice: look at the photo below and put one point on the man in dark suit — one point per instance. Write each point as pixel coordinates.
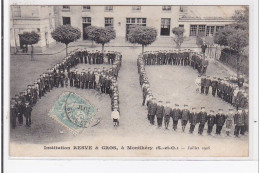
(211, 120)
(159, 114)
(193, 120)
(220, 121)
(185, 117)
(207, 85)
(202, 116)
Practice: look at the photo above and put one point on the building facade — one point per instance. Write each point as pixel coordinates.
(40, 19)
(163, 18)
(196, 20)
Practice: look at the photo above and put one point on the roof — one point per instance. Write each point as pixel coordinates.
(210, 12)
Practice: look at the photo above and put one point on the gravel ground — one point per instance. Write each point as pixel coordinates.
(134, 128)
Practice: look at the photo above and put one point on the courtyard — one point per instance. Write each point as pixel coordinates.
(177, 86)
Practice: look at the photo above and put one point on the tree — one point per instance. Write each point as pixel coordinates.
(221, 37)
(238, 40)
(90, 33)
(66, 34)
(29, 38)
(179, 38)
(104, 35)
(142, 35)
(242, 18)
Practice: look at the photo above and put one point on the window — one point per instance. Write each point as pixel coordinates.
(210, 30)
(109, 22)
(166, 8)
(218, 28)
(86, 19)
(50, 20)
(141, 21)
(182, 26)
(201, 30)
(136, 8)
(108, 8)
(134, 21)
(165, 26)
(86, 7)
(66, 20)
(66, 8)
(16, 11)
(193, 30)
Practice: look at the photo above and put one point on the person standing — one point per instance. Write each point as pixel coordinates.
(13, 115)
(167, 114)
(214, 84)
(211, 120)
(203, 49)
(27, 114)
(153, 109)
(193, 120)
(115, 117)
(202, 84)
(220, 121)
(202, 116)
(175, 116)
(207, 85)
(246, 116)
(239, 121)
(229, 121)
(185, 117)
(159, 114)
(20, 112)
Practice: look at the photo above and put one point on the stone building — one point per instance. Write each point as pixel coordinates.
(196, 20)
(31, 18)
(202, 20)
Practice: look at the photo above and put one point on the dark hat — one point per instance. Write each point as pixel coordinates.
(193, 108)
(211, 111)
(202, 107)
(176, 105)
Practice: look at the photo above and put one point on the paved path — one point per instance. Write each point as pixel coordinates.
(131, 110)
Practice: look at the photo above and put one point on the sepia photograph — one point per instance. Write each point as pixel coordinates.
(134, 81)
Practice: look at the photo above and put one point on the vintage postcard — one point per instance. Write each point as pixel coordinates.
(135, 81)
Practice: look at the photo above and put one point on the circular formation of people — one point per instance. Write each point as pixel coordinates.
(104, 80)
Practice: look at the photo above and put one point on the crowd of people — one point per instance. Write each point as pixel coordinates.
(230, 89)
(63, 75)
(173, 57)
(236, 120)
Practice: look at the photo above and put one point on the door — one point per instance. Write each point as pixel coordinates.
(165, 26)
(84, 25)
